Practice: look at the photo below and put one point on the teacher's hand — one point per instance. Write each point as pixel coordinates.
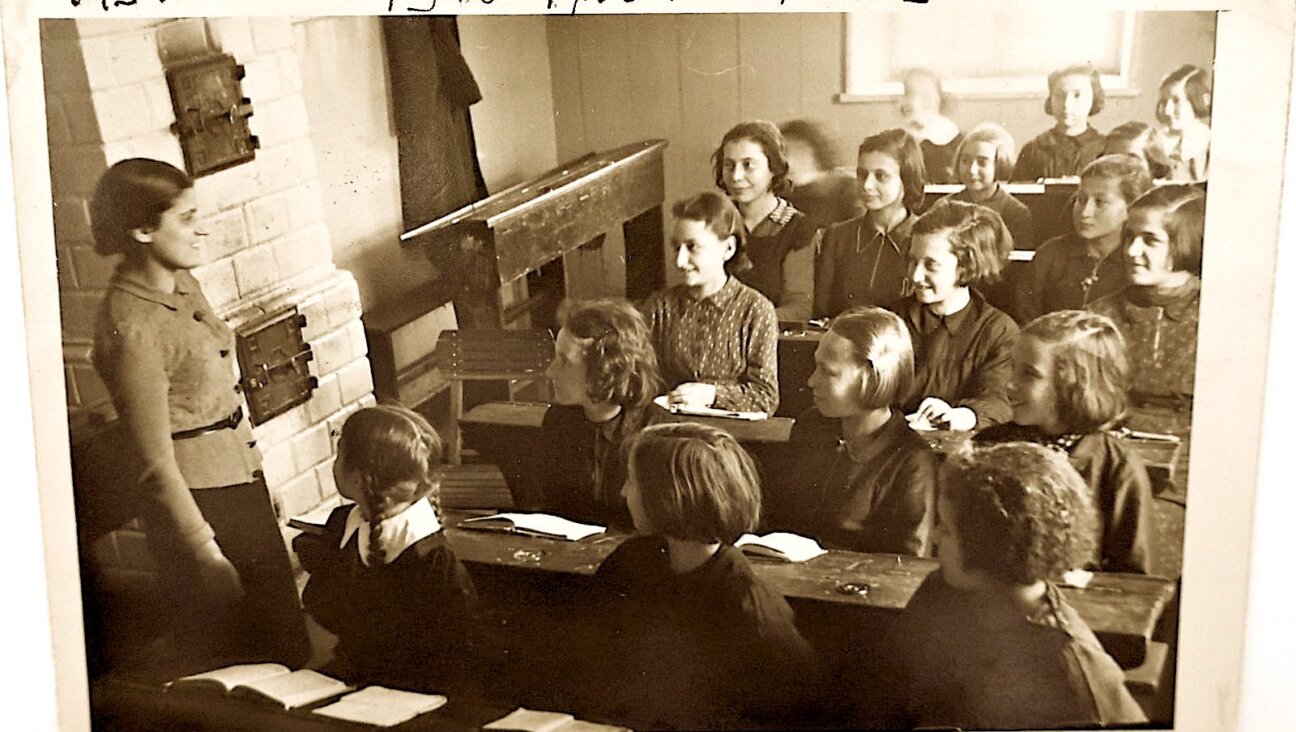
(217, 579)
(692, 394)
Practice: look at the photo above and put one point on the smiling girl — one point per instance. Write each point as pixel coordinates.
(1182, 140)
(1157, 311)
(716, 339)
(863, 259)
(1075, 95)
(983, 161)
(1071, 271)
(751, 166)
(962, 344)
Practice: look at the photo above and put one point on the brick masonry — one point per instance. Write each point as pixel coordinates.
(267, 247)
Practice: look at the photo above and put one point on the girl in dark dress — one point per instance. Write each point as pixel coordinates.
(751, 166)
(1069, 381)
(383, 578)
(1075, 95)
(988, 641)
(167, 360)
(962, 344)
(685, 635)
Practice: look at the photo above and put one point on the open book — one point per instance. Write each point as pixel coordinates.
(270, 682)
(696, 411)
(781, 545)
(527, 720)
(534, 524)
(381, 707)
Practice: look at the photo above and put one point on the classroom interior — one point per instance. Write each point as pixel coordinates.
(309, 236)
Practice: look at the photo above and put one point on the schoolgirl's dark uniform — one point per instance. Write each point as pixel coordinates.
(408, 623)
(782, 250)
(861, 265)
(1118, 484)
(1055, 154)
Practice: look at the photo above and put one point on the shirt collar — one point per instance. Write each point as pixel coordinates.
(1179, 305)
(782, 213)
(926, 321)
(172, 300)
(403, 530)
(882, 441)
(1056, 137)
(727, 292)
(892, 236)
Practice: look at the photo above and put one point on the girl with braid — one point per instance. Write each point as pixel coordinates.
(383, 578)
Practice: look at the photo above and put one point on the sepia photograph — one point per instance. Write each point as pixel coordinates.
(648, 366)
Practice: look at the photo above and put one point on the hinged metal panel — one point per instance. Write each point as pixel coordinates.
(211, 114)
(273, 359)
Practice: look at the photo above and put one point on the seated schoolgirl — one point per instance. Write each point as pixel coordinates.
(1134, 138)
(685, 635)
(923, 107)
(854, 476)
(604, 377)
(1075, 95)
(383, 578)
(1070, 377)
(988, 641)
(751, 166)
(982, 162)
(1182, 139)
(1157, 311)
(962, 344)
(1071, 271)
(818, 189)
(716, 338)
(863, 260)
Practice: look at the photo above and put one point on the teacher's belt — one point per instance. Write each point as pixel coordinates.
(228, 423)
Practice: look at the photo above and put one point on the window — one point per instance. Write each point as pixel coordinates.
(979, 53)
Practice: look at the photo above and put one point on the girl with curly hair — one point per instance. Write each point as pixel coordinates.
(604, 376)
(383, 578)
(1069, 383)
(988, 641)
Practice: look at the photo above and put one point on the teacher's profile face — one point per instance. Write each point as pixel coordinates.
(176, 241)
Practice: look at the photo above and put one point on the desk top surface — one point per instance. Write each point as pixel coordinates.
(1125, 606)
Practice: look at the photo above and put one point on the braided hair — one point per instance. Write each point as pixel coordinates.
(395, 453)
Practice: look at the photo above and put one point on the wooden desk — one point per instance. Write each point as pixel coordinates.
(530, 415)
(1121, 609)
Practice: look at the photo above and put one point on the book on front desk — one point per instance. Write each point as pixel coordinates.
(780, 545)
(534, 524)
(381, 707)
(270, 682)
(529, 720)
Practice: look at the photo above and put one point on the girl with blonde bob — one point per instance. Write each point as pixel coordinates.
(854, 475)
(681, 621)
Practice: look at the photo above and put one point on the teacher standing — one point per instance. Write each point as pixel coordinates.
(168, 362)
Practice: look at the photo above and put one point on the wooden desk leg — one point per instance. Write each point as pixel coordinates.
(452, 439)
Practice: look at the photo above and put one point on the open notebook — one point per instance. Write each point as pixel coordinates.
(781, 545)
(529, 720)
(534, 524)
(269, 682)
(381, 707)
(707, 411)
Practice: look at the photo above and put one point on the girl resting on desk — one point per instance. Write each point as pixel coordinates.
(685, 634)
(988, 641)
(168, 362)
(751, 166)
(853, 475)
(383, 578)
(716, 338)
(604, 376)
(1069, 381)
(962, 344)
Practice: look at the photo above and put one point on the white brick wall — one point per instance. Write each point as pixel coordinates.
(267, 246)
